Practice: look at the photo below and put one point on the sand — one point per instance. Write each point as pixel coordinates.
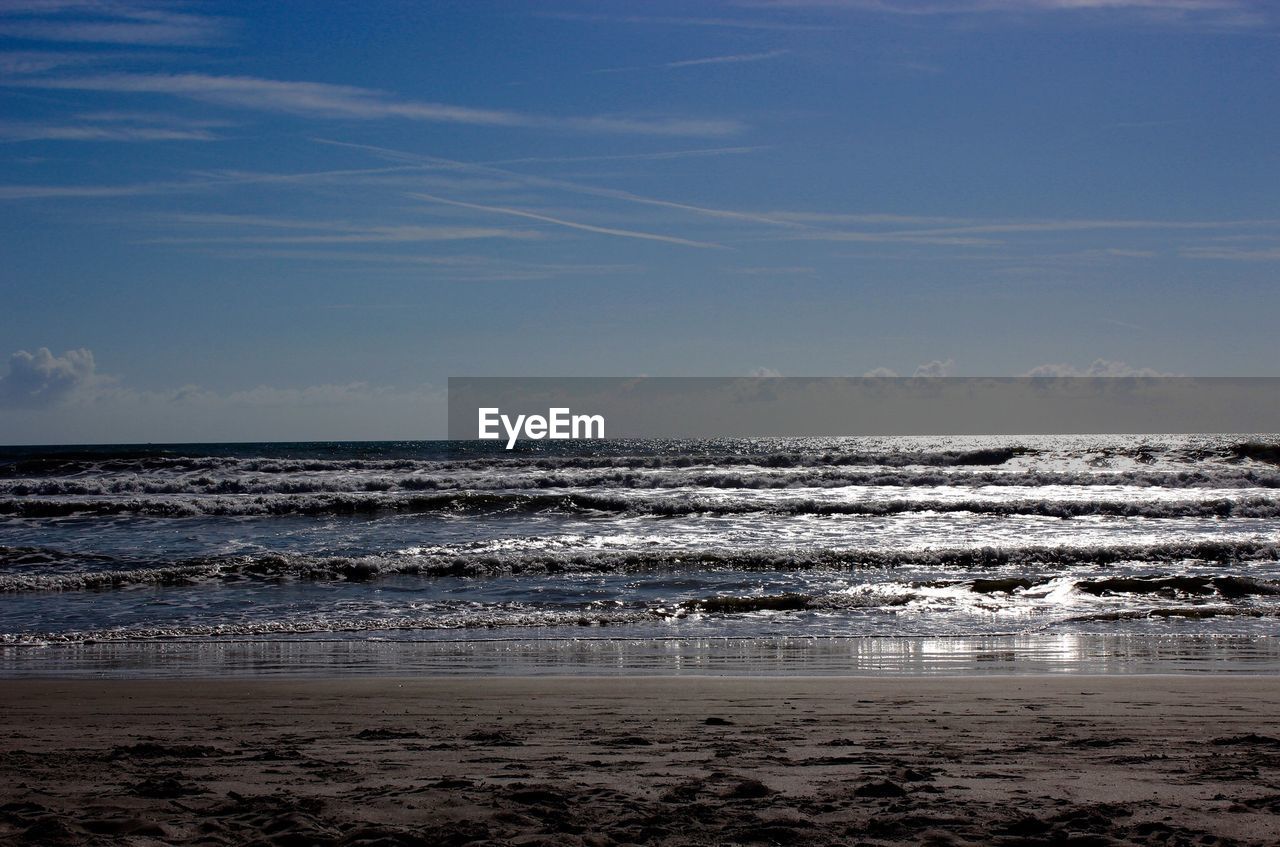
(595, 761)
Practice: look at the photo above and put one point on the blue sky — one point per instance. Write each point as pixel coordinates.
(295, 220)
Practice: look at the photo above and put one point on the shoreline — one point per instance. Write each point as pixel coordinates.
(594, 761)
(464, 655)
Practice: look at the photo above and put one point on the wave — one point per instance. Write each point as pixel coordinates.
(70, 467)
(764, 452)
(469, 561)
(350, 483)
(1171, 586)
(680, 455)
(458, 615)
(477, 503)
(1258, 451)
(1188, 612)
(334, 624)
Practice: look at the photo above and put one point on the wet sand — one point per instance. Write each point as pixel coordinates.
(1076, 760)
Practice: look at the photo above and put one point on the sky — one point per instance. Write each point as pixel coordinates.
(296, 220)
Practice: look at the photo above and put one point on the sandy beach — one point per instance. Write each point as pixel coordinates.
(596, 761)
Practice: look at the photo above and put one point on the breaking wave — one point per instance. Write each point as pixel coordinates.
(1205, 597)
(354, 483)
(586, 503)
(464, 561)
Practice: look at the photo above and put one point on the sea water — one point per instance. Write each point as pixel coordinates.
(929, 554)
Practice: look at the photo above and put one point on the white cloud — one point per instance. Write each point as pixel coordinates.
(1100, 367)
(47, 399)
(880, 373)
(936, 368)
(764, 372)
(42, 379)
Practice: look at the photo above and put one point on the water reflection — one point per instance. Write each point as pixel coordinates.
(1063, 653)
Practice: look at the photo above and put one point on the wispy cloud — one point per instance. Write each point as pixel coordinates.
(340, 176)
(871, 227)
(630, 157)
(947, 7)
(849, 218)
(109, 22)
(566, 185)
(302, 98)
(1232, 254)
(1232, 13)
(775, 270)
(730, 59)
(1079, 225)
(37, 192)
(692, 127)
(668, 20)
(203, 182)
(1129, 253)
(451, 268)
(331, 232)
(454, 262)
(900, 237)
(979, 233)
(43, 61)
(326, 100)
(110, 126)
(523, 213)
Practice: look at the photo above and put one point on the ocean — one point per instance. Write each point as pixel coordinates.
(815, 555)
